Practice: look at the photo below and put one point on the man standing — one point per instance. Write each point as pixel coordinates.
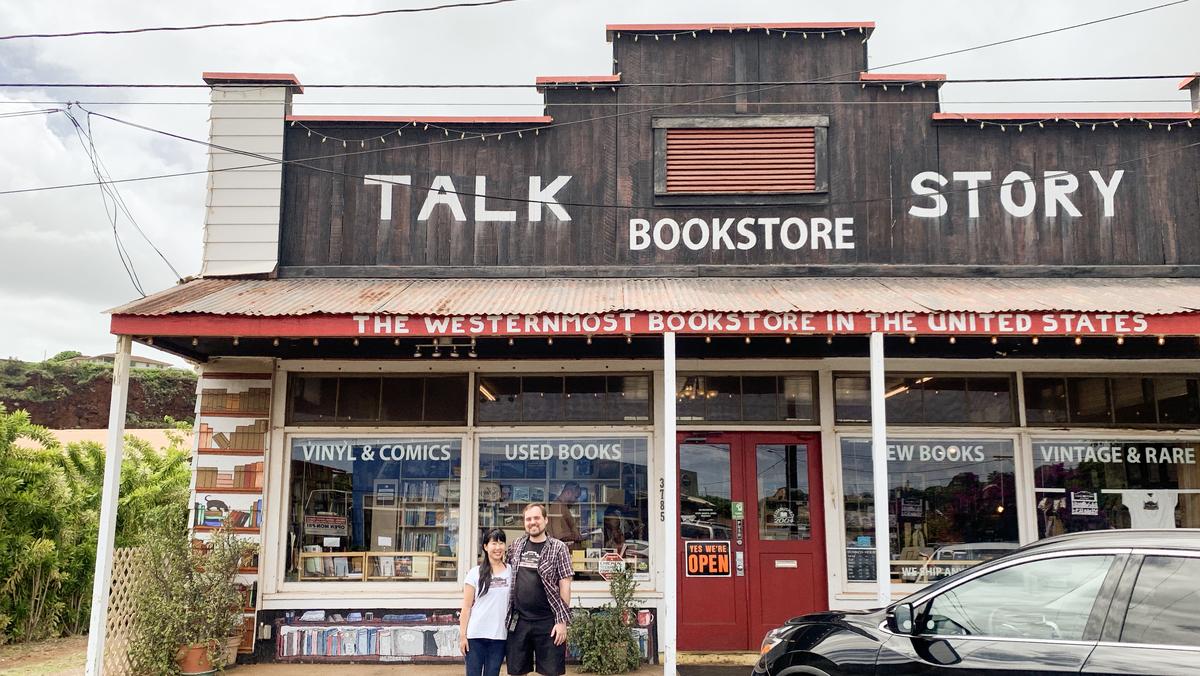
(539, 604)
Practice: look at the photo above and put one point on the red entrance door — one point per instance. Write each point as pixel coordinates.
(757, 496)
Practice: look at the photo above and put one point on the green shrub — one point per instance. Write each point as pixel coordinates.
(606, 644)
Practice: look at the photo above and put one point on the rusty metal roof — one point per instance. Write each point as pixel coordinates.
(298, 297)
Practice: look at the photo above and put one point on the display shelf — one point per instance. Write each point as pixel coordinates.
(377, 566)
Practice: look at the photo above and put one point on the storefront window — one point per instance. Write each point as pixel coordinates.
(595, 489)
(377, 509)
(1161, 401)
(376, 400)
(750, 398)
(933, 399)
(1097, 484)
(515, 399)
(951, 504)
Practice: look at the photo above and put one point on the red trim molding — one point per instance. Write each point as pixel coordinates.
(643, 323)
(1035, 117)
(437, 119)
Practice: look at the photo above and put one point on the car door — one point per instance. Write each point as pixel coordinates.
(1041, 614)
(1154, 624)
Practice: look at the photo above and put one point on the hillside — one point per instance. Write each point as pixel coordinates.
(62, 395)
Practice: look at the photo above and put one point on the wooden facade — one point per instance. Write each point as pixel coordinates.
(877, 141)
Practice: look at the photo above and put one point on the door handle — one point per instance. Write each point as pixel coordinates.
(739, 559)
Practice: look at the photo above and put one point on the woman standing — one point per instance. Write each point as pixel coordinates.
(482, 626)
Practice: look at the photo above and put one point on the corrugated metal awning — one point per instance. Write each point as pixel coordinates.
(301, 297)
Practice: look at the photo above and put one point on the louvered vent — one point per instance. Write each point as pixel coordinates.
(741, 160)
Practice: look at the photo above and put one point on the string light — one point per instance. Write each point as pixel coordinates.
(1035, 340)
(1162, 340)
(708, 339)
(396, 342)
(510, 342)
(912, 340)
(589, 340)
(195, 342)
(628, 339)
(275, 343)
(747, 340)
(316, 342)
(953, 340)
(355, 341)
(550, 340)
(1079, 340)
(1120, 340)
(787, 340)
(235, 341)
(829, 340)
(995, 340)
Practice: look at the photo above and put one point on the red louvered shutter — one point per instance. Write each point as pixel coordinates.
(741, 160)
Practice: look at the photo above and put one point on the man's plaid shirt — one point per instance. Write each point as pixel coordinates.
(553, 566)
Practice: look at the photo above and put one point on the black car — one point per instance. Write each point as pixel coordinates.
(1102, 602)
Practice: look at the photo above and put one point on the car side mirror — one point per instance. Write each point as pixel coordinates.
(901, 615)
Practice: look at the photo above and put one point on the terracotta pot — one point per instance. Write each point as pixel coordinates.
(231, 648)
(193, 660)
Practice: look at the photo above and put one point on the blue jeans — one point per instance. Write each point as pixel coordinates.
(484, 656)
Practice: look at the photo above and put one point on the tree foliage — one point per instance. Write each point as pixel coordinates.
(50, 513)
(606, 644)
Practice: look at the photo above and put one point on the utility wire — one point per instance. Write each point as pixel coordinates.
(613, 85)
(602, 117)
(243, 24)
(634, 207)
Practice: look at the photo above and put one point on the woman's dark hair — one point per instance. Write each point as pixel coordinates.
(485, 568)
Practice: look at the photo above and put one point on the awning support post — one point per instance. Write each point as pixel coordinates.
(108, 507)
(883, 565)
(670, 493)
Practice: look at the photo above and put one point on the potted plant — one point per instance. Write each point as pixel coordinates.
(603, 635)
(187, 607)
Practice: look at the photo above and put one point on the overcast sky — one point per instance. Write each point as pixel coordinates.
(59, 268)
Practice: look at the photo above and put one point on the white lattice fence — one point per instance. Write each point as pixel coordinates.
(120, 612)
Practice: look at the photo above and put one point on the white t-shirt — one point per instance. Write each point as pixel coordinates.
(488, 613)
(1149, 509)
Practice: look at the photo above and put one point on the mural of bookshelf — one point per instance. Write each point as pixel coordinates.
(367, 641)
(229, 470)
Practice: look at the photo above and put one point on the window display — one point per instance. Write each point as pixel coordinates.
(377, 509)
(1095, 484)
(951, 504)
(595, 489)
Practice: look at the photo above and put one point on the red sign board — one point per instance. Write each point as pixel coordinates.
(642, 323)
(611, 563)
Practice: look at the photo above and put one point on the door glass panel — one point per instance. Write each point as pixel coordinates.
(1163, 607)
(704, 492)
(1047, 599)
(782, 471)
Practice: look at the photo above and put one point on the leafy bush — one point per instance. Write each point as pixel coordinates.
(606, 644)
(49, 517)
(185, 595)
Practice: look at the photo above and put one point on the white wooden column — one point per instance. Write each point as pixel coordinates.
(883, 558)
(108, 507)
(670, 477)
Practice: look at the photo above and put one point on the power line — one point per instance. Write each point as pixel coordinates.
(243, 24)
(605, 85)
(273, 162)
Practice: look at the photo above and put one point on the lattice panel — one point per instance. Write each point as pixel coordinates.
(120, 612)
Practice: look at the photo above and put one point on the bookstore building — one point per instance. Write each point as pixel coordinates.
(410, 328)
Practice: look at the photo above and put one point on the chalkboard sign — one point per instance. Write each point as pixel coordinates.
(860, 564)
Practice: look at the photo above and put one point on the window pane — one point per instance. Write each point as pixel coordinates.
(446, 399)
(990, 400)
(952, 503)
(358, 399)
(499, 399)
(1163, 607)
(705, 510)
(402, 398)
(314, 399)
(723, 398)
(798, 401)
(585, 397)
(628, 398)
(689, 397)
(783, 496)
(852, 399)
(1133, 400)
(903, 396)
(1178, 400)
(945, 399)
(1045, 400)
(595, 489)
(1090, 484)
(760, 398)
(1089, 400)
(541, 398)
(381, 508)
(1049, 599)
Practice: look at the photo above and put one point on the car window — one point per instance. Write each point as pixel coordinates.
(1162, 609)
(1044, 599)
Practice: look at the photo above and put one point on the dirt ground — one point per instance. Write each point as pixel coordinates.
(56, 657)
